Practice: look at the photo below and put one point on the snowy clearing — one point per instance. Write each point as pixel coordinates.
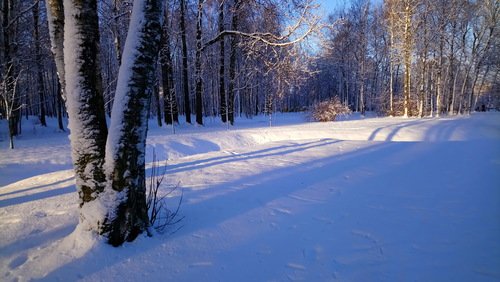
(374, 199)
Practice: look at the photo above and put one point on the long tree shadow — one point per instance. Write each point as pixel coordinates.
(9, 173)
(273, 151)
(374, 134)
(246, 197)
(37, 196)
(395, 128)
(444, 132)
(36, 187)
(282, 182)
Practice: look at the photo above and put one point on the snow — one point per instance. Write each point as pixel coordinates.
(83, 122)
(363, 199)
(122, 98)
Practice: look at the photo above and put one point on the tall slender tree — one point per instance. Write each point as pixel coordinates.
(39, 65)
(55, 15)
(185, 78)
(222, 66)
(9, 72)
(171, 113)
(199, 80)
(232, 62)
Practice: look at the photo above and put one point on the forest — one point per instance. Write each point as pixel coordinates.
(226, 58)
(110, 66)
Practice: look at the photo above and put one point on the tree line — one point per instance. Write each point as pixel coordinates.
(217, 57)
(233, 57)
(412, 57)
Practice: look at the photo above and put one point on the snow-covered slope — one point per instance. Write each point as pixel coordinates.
(298, 201)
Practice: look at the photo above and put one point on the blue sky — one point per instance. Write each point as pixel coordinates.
(330, 6)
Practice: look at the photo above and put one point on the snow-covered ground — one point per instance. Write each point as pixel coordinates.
(373, 199)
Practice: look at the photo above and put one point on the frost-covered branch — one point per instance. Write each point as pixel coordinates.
(292, 36)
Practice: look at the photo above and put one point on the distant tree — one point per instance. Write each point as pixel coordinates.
(171, 113)
(232, 61)
(9, 71)
(199, 80)
(222, 58)
(55, 11)
(185, 78)
(39, 64)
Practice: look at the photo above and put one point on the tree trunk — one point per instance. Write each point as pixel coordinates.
(407, 49)
(232, 63)
(85, 105)
(59, 107)
(115, 28)
(156, 93)
(439, 82)
(169, 97)
(39, 66)
(421, 92)
(9, 73)
(362, 88)
(199, 82)
(126, 144)
(55, 15)
(185, 79)
(222, 82)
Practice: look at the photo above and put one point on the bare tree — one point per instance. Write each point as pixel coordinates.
(199, 80)
(222, 55)
(185, 78)
(171, 113)
(232, 62)
(39, 66)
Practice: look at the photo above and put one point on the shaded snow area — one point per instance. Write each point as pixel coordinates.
(364, 199)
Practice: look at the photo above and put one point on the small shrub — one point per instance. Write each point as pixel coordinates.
(329, 110)
(160, 216)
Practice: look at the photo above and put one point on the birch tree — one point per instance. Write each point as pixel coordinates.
(9, 71)
(55, 16)
(127, 214)
(110, 169)
(84, 102)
